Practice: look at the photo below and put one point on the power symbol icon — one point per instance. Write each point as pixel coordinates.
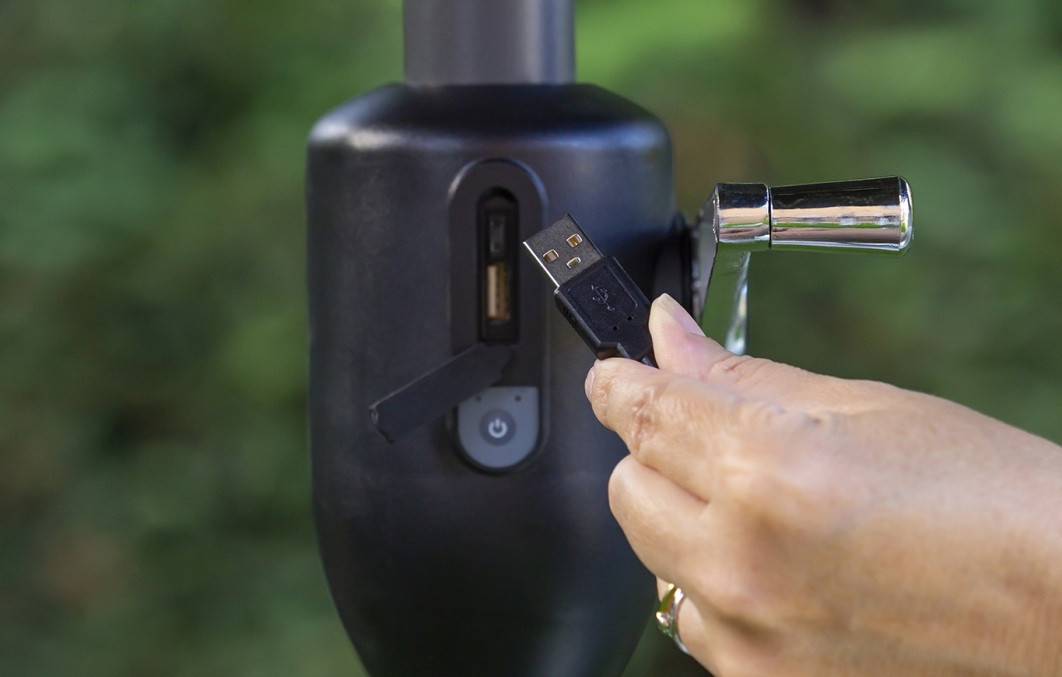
(497, 427)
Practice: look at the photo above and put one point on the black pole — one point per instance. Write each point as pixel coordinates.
(450, 549)
(474, 42)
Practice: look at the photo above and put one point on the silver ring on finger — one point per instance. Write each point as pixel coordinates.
(667, 614)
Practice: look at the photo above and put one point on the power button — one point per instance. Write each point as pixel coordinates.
(498, 428)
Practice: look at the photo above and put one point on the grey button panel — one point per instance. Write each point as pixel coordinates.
(498, 428)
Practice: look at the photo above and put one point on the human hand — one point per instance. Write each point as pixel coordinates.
(821, 526)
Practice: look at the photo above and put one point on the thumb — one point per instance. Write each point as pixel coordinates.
(682, 348)
(672, 328)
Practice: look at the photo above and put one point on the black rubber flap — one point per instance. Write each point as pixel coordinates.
(440, 390)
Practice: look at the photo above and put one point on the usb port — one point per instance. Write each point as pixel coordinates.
(497, 293)
(497, 223)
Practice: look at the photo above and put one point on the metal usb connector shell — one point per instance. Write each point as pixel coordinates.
(593, 292)
(562, 251)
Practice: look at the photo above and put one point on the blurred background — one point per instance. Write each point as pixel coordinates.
(154, 508)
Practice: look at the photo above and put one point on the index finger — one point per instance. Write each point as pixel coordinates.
(683, 427)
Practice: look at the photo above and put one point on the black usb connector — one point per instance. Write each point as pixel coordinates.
(594, 293)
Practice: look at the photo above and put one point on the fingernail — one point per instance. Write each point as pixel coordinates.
(588, 385)
(679, 314)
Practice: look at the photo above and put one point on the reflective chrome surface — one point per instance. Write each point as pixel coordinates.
(871, 215)
(725, 314)
(722, 313)
(868, 215)
(742, 216)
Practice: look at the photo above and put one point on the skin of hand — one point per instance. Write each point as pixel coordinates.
(821, 526)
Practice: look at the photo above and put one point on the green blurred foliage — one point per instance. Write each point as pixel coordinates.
(154, 516)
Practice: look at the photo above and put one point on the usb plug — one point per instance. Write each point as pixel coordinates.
(593, 292)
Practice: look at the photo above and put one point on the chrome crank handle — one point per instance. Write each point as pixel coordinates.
(868, 215)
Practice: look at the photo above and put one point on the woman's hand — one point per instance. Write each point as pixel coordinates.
(821, 527)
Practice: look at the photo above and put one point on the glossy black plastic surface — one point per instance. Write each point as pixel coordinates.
(438, 568)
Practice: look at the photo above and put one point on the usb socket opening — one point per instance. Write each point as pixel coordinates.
(498, 226)
(497, 292)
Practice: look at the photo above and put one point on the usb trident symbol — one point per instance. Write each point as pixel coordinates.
(601, 296)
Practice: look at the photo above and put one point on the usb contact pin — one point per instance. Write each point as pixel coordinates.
(562, 251)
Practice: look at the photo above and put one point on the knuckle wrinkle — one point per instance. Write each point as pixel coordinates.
(645, 415)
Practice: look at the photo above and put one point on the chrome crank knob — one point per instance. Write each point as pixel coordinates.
(871, 215)
(867, 215)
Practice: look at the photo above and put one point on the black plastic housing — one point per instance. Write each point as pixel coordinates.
(608, 310)
(436, 567)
